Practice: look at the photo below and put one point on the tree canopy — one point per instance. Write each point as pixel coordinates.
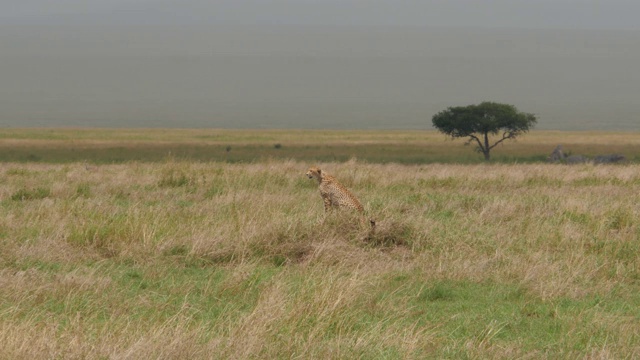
(477, 122)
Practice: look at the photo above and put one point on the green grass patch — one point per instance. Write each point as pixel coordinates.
(31, 194)
(103, 146)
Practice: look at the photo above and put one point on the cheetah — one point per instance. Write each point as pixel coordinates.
(335, 194)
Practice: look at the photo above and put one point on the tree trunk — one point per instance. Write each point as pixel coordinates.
(486, 149)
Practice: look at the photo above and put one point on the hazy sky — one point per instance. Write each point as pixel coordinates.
(316, 63)
(564, 14)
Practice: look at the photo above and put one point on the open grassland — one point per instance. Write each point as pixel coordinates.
(199, 260)
(105, 146)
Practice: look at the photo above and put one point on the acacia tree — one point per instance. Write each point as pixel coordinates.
(478, 122)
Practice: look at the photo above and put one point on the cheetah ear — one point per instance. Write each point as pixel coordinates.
(319, 171)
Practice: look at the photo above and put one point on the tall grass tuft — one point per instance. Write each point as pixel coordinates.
(30, 194)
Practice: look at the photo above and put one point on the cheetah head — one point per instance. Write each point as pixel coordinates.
(314, 172)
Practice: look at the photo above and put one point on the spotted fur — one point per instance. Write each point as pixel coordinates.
(335, 194)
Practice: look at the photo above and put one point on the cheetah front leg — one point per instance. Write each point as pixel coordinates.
(327, 203)
(327, 207)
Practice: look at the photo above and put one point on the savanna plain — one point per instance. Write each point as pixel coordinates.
(199, 244)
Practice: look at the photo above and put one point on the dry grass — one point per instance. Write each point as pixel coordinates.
(199, 260)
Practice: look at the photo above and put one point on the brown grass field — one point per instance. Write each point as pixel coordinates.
(189, 259)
